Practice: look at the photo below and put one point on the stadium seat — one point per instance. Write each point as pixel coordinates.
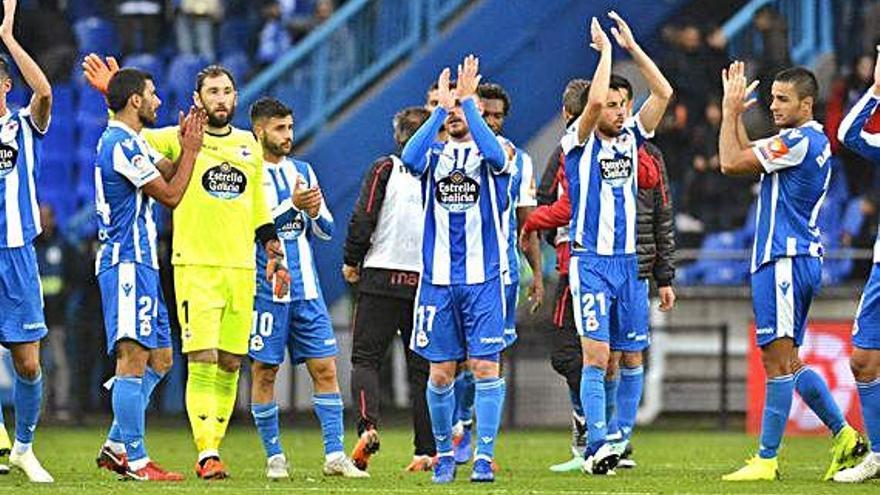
(63, 102)
(94, 34)
(239, 64)
(236, 34)
(150, 63)
(182, 73)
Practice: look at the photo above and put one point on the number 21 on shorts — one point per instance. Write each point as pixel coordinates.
(590, 304)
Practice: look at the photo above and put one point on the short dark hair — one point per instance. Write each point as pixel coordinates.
(213, 70)
(804, 81)
(268, 108)
(574, 97)
(620, 82)
(407, 121)
(493, 91)
(5, 72)
(125, 84)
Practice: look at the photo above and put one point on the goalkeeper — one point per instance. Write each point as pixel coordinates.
(213, 254)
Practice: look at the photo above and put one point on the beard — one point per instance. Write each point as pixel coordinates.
(216, 121)
(147, 119)
(280, 149)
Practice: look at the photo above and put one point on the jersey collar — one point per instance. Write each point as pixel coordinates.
(121, 125)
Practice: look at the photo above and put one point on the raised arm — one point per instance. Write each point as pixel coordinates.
(598, 92)
(852, 132)
(735, 158)
(41, 102)
(468, 81)
(414, 153)
(661, 91)
(170, 192)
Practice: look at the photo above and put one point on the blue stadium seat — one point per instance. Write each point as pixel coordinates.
(149, 63)
(94, 34)
(182, 73)
(91, 109)
(236, 34)
(63, 102)
(80, 9)
(239, 64)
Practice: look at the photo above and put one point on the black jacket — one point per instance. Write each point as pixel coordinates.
(655, 229)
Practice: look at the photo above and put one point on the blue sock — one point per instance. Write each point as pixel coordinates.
(628, 397)
(27, 396)
(611, 385)
(441, 405)
(266, 419)
(777, 405)
(593, 400)
(869, 395)
(814, 391)
(464, 397)
(328, 408)
(128, 412)
(150, 380)
(489, 405)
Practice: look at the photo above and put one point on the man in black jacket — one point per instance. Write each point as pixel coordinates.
(383, 257)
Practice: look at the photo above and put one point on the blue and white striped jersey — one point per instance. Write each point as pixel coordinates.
(295, 230)
(797, 170)
(853, 133)
(602, 180)
(465, 188)
(126, 228)
(20, 151)
(522, 193)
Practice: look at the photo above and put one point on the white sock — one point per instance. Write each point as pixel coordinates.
(333, 456)
(138, 464)
(208, 453)
(281, 456)
(115, 447)
(20, 448)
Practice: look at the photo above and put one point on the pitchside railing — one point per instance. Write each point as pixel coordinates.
(341, 57)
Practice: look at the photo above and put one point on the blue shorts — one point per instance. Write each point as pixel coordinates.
(134, 307)
(637, 337)
(302, 327)
(605, 294)
(782, 292)
(454, 322)
(511, 294)
(866, 328)
(21, 297)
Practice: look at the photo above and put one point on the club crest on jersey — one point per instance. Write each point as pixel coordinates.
(616, 171)
(289, 231)
(457, 192)
(224, 181)
(8, 158)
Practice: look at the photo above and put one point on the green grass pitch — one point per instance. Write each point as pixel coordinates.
(669, 462)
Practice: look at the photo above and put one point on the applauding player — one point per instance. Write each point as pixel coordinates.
(460, 303)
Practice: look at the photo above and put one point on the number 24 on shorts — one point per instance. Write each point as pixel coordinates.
(588, 302)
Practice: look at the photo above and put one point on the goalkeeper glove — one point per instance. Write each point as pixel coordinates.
(278, 275)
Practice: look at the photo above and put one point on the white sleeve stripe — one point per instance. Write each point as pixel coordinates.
(872, 139)
(847, 122)
(645, 133)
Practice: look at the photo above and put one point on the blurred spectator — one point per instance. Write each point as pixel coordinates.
(690, 66)
(275, 37)
(870, 25)
(47, 34)
(704, 184)
(302, 25)
(844, 93)
(139, 23)
(55, 259)
(195, 23)
(773, 56)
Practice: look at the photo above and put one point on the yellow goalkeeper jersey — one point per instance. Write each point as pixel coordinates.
(215, 221)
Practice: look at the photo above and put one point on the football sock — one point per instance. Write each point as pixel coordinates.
(489, 402)
(201, 403)
(328, 408)
(593, 400)
(128, 411)
(266, 419)
(27, 396)
(628, 396)
(464, 397)
(441, 404)
(869, 395)
(814, 391)
(777, 405)
(225, 386)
